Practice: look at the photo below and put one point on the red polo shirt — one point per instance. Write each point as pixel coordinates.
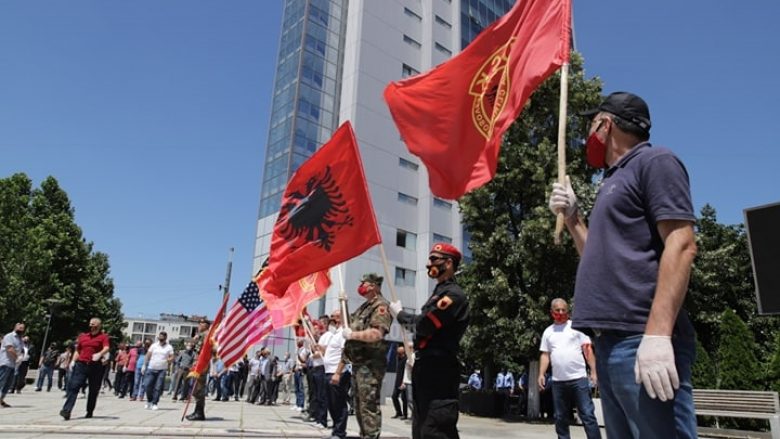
(88, 345)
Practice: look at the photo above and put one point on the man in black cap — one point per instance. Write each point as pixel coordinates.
(636, 254)
(438, 330)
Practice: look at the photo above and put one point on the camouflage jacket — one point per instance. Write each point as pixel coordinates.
(372, 313)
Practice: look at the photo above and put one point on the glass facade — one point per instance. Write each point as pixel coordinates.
(304, 109)
(476, 15)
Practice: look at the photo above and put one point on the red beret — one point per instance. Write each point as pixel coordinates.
(446, 249)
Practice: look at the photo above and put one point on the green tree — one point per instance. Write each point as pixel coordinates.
(516, 269)
(738, 367)
(704, 374)
(46, 265)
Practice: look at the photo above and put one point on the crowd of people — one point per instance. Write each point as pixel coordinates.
(636, 253)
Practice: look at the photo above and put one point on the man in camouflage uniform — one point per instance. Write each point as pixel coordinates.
(366, 349)
(438, 330)
(199, 392)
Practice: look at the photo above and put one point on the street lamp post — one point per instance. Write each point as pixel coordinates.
(52, 304)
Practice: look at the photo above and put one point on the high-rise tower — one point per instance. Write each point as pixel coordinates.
(335, 59)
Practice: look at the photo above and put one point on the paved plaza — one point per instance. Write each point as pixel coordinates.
(35, 415)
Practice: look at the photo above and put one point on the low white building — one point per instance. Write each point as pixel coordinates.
(177, 326)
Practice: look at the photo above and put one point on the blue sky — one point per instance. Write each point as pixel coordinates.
(153, 117)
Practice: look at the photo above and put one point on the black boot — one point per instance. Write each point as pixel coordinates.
(196, 416)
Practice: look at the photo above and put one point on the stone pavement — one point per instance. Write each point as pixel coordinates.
(36, 415)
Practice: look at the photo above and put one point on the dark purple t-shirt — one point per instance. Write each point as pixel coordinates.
(618, 271)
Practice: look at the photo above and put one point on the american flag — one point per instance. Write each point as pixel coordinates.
(247, 322)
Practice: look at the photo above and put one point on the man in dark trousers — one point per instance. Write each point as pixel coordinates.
(399, 388)
(88, 368)
(438, 330)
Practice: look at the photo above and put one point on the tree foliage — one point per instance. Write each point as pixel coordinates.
(516, 269)
(46, 265)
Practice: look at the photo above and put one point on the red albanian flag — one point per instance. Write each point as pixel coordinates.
(286, 309)
(204, 357)
(326, 216)
(454, 116)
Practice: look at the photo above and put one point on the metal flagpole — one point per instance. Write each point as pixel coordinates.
(559, 220)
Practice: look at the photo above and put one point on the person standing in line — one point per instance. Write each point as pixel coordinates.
(200, 389)
(62, 367)
(184, 362)
(636, 254)
(158, 358)
(567, 350)
(10, 355)
(438, 331)
(337, 375)
(318, 405)
(46, 367)
(253, 386)
(130, 371)
(475, 380)
(108, 365)
(366, 350)
(299, 379)
(120, 364)
(87, 368)
(138, 383)
(399, 388)
(287, 377)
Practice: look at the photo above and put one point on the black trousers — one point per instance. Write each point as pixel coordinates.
(83, 373)
(435, 394)
(404, 400)
(337, 403)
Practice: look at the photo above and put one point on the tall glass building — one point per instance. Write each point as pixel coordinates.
(335, 59)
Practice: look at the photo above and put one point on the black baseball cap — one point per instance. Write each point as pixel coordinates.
(627, 106)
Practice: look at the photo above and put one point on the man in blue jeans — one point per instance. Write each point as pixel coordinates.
(568, 349)
(636, 254)
(158, 358)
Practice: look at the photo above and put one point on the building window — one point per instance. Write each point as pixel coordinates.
(404, 277)
(408, 199)
(438, 202)
(443, 49)
(412, 42)
(443, 22)
(151, 328)
(441, 238)
(402, 162)
(405, 239)
(407, 71)
(138, 327)
(412, 14)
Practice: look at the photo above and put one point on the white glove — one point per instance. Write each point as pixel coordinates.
(563, 199)
(655, 368)
(346, 333)
(96, 357)
(395, 307)
(143, 369)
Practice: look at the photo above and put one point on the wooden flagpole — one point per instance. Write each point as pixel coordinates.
(392, 293)
(562, 110)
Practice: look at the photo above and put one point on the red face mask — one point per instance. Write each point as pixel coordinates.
(560, 317)
(362, 290)
(596, 150)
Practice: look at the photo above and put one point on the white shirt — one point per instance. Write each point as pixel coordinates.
(565, 347)
(333, 343)
(254, 366)
(158, 356)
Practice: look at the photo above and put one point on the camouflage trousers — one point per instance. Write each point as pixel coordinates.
(367, 382)
(199, 392)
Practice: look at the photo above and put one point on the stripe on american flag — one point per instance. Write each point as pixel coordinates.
(247, 322)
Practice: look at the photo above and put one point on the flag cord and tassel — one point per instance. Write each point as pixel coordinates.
(404, 337)
(562, 110)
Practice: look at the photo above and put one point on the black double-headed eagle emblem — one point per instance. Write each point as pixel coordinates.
(315, 213)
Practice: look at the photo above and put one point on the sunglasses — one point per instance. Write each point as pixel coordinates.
(433, 258)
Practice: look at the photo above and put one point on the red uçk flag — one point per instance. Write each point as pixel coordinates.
(286, 309)
(454, 116)
(204, 357)
(326, 216)
(247, 322)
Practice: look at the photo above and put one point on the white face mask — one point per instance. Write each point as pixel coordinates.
(332, 328)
